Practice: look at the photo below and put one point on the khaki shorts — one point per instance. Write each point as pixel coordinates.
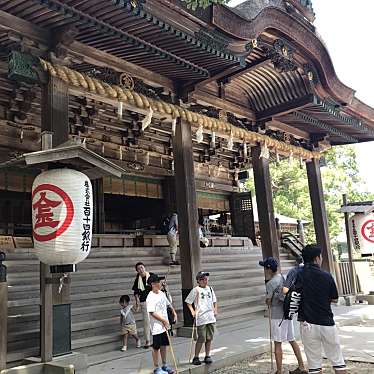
(205, 332)
(129, 329)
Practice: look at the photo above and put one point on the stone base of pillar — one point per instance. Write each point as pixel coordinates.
(78, 360)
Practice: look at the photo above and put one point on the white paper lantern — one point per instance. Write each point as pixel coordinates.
(361, 228)
(62, 207)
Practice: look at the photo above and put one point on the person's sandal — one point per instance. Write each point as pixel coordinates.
(196, 361)
(208, 360)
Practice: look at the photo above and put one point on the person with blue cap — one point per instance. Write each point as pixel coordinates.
(281, 330)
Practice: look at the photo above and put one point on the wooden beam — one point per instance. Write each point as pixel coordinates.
(187, 211)
(264, 199)
(96, 57)
(208, 99)
(277, 124)
(319, 213)
(25, 28)
(87, 54)
(287, 107)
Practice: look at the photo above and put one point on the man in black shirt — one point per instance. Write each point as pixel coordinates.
(317, 320)
(141, 290)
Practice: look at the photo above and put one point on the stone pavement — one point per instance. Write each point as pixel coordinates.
(239, 342)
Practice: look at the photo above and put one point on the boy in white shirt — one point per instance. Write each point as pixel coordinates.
(157, 304)
(205, 302)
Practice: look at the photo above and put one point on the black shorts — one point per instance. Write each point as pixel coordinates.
(160, 340)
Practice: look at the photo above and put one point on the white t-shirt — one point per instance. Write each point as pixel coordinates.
(157, 303)
(203, 298)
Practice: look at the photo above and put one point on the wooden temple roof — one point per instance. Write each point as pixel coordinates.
(271, 70)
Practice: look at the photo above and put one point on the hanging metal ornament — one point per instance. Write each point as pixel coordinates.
(173, 126)
(265, 152)
(230, 143)
(199, 134)
(120, 110)
(146, 121)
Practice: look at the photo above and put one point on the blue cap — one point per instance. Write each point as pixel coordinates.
(269, 263)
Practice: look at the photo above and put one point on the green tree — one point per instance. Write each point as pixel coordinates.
(194, 4)
(340, 175)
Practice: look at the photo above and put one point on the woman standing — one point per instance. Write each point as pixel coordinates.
(141, 290)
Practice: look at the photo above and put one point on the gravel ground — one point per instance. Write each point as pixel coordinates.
(261, 365)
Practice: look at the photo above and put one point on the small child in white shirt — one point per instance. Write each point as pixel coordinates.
(128, 324)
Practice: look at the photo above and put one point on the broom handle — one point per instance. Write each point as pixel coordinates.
(192, 336)
(172, 352)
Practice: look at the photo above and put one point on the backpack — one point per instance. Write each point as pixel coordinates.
(165, 226)
(292, 299)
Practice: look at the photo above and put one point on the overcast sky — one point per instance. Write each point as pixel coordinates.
(347, 27)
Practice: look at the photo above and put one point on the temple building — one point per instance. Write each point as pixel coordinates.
(165, 109)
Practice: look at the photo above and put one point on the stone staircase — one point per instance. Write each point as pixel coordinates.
(108, 273)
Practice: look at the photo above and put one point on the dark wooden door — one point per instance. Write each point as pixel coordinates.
(242, 220)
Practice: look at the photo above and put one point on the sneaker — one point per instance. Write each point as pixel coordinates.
(208, 360)
(159, 371)
(168, 369)
(124, 348)
(196, 361)
(138, 344)
(298, 371)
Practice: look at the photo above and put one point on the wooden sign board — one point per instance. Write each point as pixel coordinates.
(23, 242)
(6, 242)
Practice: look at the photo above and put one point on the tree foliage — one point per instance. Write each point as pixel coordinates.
(194, 4)
(339, 176)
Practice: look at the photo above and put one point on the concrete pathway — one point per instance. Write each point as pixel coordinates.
(238, 342)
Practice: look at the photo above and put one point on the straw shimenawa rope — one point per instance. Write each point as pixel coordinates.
(77, 79)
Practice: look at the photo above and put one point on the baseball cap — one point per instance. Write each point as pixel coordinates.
(201, 275)
(269, 263)
(154, 278)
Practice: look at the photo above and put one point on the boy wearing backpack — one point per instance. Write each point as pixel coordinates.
(282, 330)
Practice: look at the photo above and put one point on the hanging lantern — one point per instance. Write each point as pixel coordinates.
(62, 207)
(361, 227)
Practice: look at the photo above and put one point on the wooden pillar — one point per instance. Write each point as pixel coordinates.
(55, 131)
(264, 198)
(3, 313)
(319, 213)
(98, 206)
(349, 246)
(187, 211)
(170, 197)
(55, 110)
